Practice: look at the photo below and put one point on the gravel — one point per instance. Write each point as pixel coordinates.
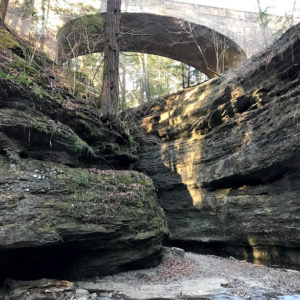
(197, 275)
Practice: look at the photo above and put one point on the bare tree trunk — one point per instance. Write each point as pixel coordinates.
(142, 83)
(3, 10)
(109, 98)
(123, 84)
(146, 78)
(43, 33)
(168, 84)
(263, 22)
(189, 76)
(198, 76)
(182, 75)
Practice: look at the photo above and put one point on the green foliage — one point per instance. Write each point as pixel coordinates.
(47, 94)
(28, 9)
(82, 179)
(263, 17)
(82, 8)
(131, 140)
(11, 76)
(134, 175)
(85, 71)
(108, 191)
(90, 23)
(164, 76)
(110, 148)
(2, 74)
(59, 98)
(84, 25)
(62, 11)
(24, 79)
(21, 65)
(38, 91)
(275, 24)
(127, 179)
(7, 41)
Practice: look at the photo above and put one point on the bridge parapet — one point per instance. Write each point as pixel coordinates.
(41, 22)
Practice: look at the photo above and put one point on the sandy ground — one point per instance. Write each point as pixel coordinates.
(198, 275)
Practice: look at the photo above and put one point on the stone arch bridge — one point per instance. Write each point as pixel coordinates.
(207, 38)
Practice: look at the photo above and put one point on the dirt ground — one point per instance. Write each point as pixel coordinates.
(197, 275)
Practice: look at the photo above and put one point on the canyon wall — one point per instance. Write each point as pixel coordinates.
(227, 164)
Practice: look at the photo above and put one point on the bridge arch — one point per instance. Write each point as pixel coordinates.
(196, 45)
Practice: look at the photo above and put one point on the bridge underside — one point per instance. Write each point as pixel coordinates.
(193, 44)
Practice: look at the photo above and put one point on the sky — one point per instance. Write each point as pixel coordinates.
(277, 7)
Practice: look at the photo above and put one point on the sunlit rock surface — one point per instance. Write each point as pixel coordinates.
(61, 222)
(227, 170)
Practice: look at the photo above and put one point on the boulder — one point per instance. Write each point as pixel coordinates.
(227, 167)
(43, 289)
(62, 222)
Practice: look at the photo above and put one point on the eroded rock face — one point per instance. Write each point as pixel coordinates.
(71, 133)
(61, 222)
(227, 170)
(57, 221)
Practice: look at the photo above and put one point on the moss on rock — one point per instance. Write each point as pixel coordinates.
(7, 41)
(35, 130)
(102, 213)
(46, 120)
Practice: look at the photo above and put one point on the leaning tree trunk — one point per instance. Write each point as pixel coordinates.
(110, 89)
(3, 10)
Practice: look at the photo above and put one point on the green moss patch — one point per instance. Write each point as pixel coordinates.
(21, 65)
(7, 41)
(88, 24)
(43, 133)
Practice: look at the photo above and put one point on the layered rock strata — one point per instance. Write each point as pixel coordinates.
(227, 168)
(57, 221)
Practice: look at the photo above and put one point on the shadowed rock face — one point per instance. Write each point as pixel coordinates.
(63, 222)
(190, 43)
(47, 130)
(227, 170)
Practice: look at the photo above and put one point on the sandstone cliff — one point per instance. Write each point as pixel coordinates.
(227, 168)
(58, 221)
